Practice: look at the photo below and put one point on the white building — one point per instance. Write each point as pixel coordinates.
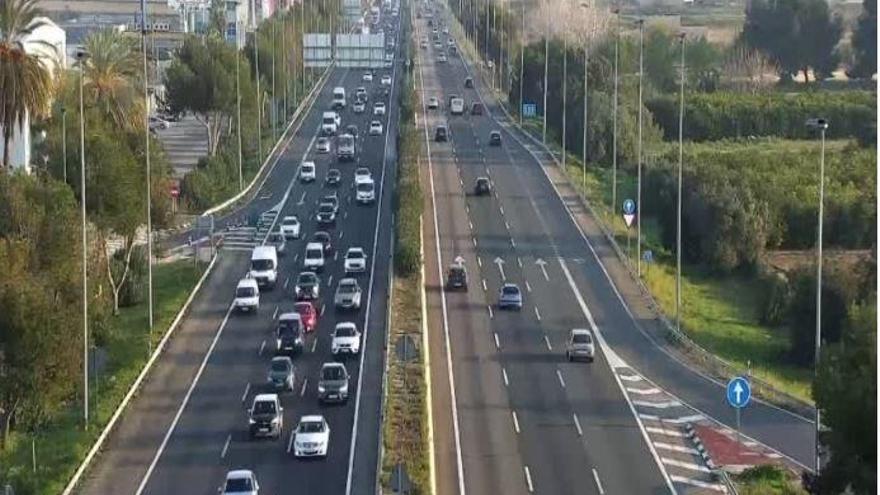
(49, 43)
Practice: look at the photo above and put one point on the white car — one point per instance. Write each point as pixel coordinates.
(314, 256)
(290, 227)
(307, 172)
(362, 174)
(375, 128)
(368, 77)
(386, 80)
(359, 107)
(433, 103)
(247, 296)
(365, 191)
(355, 260)
(322, 145)
(312, 437)
(240, 482)
(346, 339)
(379, 108)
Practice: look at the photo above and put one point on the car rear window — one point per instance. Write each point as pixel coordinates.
(280, 365)
(333, 373)
(311, 427)
(245, 292)
(345, 332)
(582, 338)
(235, 485)
(264, 407)
(510, 290)
(314, 253)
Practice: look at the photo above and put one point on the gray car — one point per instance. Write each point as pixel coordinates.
(281, 373)
(580, 345)
(510, 297)
(333, 385)
(348, 294)
(266, 418)
(277, 239)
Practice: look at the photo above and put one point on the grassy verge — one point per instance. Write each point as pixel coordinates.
(61, 444)
(767, 480)
(719, 313)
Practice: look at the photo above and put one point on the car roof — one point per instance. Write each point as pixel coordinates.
(247, 282)
(261, 252)
(266, 397)
(348, 280)
(308, 163)
(580, 331)
(240, 473)
(292, 315)
(312, 418)
(331, 364)
(290, 217)
(355, 249)
(286, 359)
(314, 245)
(510, 285)
(346, 324)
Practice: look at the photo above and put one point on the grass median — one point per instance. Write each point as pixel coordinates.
(42, 462)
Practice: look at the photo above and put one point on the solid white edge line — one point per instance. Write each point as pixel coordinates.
(192, 387)
(454, 405)
(357, 401)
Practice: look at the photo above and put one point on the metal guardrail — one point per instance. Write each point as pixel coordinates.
(715, 367)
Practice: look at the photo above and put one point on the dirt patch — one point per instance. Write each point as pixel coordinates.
(789, 261)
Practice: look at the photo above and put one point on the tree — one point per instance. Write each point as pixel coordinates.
(25, 81)
(864, 43)
(846, 393)
(111, 74)
(799, 35)
(747, 70)
(202, 80)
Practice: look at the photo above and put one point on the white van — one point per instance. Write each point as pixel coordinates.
(264, 265)
(247, 296)
(314, 257)
(330, 122)
(338, 97)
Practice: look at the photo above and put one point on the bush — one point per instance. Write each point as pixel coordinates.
(134, 288)
(720, 115)
(776, 304)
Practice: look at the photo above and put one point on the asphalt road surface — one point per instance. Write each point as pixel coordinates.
(188, 425)
(519, 418)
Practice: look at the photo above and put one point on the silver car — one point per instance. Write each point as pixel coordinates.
(580, 345)
(348, 294)
(510, 297)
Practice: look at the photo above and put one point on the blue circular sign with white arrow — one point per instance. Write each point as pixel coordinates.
(739, 392)
(629, 207)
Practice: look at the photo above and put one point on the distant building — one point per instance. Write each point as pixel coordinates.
(49, 43)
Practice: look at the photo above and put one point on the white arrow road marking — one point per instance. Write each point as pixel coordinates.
(500, 263)
(643, 391)
(543, 266)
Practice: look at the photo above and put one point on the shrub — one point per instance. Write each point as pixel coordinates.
(133, 290)
(719, 115)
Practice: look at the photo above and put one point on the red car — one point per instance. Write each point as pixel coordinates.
(308, 314)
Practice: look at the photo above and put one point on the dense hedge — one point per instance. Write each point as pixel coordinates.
(740, 198)
(408, 193)
(719, 115)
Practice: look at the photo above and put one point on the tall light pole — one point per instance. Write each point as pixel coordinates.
(64, 141)
(522, 60)
(274, 92)
(259, 99)
(148, 181)
(678, 202)
(82, 56)
(821, 125)
(285, 65)
(564, 93)
(614, 106)
(238, 107)
(641, 23)
(587, 43)
(546, 68)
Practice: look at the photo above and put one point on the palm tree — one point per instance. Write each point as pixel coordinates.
(25, 79)
(111, 76)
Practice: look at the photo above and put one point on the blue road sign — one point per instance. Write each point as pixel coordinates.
(629, 207)
(739, 392)
(648, 256)
(529, 109)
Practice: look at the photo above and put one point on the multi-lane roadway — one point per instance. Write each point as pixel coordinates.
(189, 424)
(511, 414)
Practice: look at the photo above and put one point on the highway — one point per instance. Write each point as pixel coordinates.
(511, 414)
(188, 425)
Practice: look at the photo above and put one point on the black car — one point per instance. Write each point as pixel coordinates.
(289, 334)
(334, 177)
(308, 286)
(441, 134)
(495, 138)
(352, 129)
(482, 186)
(325, 239)
(326, 214)
(456, 277)
(469, 82)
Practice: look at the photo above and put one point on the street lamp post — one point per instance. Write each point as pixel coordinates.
(821, 125)
(681, 37)
(564, 94)
(64, 142)
(641, 24)
(522, 60)
(274, 92)
(238, 110)
(614, 106)
(546, 68)
(148, 181)
(588, 24)
(259, 99)
(82, 56)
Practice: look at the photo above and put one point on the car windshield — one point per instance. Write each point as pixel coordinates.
(322, 237)
(354, 255)
(345, 331)
(314, 253)
(262, 265)
(581, 338)
(510, 290)
(347, 288)
(306, 278)
(329, 120)
(325, 208)
(288, 324)
(303, 308)
(333, 373)
(334, 173)
(362, 172)
(365, 187)
(311, 427)
(264, 407)
(280, 365)
(245, 292)
(289, 221)
(236, 485)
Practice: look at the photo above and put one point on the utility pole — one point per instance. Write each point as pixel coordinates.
(564, 94)
(641, 23)
(64, 141)
(587, 46)
(238, 109)
(615, 104)
(546, 68)
(82, 56)
(148, 181)
(678, 202)
(522, 60)
(259, 99)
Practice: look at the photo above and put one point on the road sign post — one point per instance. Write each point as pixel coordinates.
(739, 393)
